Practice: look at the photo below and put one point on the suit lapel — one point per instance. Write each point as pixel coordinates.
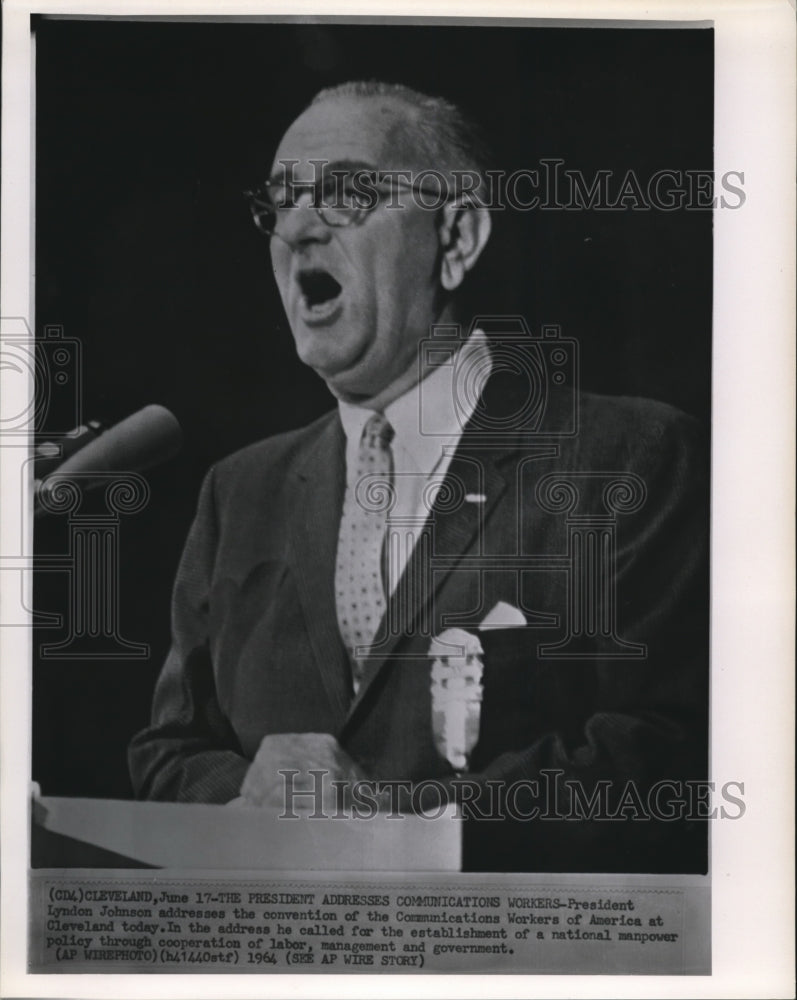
(473, 486)
(316, 504)
(471, 490)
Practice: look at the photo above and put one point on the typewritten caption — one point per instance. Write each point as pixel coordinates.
(158, 924)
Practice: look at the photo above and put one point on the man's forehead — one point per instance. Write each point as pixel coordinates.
(367, 130)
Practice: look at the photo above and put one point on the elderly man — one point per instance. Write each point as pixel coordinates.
(325, 565)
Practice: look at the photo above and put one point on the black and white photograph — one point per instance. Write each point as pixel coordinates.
(366, 495)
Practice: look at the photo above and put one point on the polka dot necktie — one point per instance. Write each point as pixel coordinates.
(359, 588)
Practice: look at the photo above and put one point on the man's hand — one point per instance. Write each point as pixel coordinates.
(302, 752)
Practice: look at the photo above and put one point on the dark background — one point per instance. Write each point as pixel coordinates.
(147, 133)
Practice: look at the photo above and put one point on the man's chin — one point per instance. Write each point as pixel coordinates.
(356, 390)
(335, 371)
(332, 354)
(347, 383)
(357, 378)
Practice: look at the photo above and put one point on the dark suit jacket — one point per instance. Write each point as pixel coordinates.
(256, 647)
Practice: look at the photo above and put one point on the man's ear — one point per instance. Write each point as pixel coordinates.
(463, 231)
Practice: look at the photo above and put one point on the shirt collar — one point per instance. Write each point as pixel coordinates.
(427, 417)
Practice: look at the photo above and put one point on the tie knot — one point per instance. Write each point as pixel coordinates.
(377, 432)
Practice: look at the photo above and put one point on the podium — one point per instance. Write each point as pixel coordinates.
(104, 833)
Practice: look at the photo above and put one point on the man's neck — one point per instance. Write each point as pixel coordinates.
(402, 384)
(414, 373)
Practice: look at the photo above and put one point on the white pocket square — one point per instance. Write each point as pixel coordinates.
(503, 615)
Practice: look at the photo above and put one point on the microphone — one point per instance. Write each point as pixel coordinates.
(48, 455)
(143, 440)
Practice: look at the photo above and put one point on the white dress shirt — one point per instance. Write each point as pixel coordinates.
(427, 426)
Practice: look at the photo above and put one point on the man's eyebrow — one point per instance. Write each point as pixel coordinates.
(323, 168)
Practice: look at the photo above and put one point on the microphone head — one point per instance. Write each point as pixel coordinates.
(143, 440)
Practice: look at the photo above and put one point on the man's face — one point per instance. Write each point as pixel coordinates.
(362, 337)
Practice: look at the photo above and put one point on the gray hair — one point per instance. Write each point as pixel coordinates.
(442, 134)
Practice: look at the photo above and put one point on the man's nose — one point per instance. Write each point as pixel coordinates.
(301, 224)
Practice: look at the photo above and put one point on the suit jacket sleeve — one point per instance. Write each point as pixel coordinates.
(189, 752)
(646, 718)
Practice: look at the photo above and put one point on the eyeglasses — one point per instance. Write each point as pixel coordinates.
(341, 198)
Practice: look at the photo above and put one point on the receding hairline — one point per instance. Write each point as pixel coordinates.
(428, 127)
(403, 128)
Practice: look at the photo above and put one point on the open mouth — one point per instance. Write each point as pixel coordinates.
(320, 291)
